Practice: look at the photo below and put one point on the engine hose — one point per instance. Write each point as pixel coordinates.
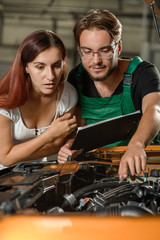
(125, 211)
(151, 184)
(71, 199)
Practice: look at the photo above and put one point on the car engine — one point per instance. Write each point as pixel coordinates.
(87, 185)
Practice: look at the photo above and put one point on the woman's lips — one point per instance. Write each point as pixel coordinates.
(50, 85)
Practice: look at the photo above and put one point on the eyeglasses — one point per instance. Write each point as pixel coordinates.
(104, 53)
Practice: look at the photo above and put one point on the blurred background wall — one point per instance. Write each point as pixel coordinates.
(18, 18)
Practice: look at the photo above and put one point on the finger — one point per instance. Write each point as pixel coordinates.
(61, 161)
(64, 153)
(143, 160)
(140, 164)
(61, 158)
(123, 170)
(144, 163)
(73, 126)
(131, 166)
(65, 116)
(67, 146)
(138, 167)
(72, 120)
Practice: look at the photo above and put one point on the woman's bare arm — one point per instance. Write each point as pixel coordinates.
(37, 147)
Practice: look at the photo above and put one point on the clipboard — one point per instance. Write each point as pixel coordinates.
(105, 132)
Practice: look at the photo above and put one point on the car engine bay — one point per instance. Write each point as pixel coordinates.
(88, 185)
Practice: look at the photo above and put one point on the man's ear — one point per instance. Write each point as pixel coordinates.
(78, 49)
(119, 47)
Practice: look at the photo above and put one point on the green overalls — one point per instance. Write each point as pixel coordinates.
(98, 109)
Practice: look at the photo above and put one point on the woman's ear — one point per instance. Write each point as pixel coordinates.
(26, 69)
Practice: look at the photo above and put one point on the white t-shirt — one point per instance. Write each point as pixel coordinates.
(22, 134)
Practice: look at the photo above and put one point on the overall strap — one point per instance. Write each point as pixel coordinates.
(80, 69)
(79, 73)
(132, 66)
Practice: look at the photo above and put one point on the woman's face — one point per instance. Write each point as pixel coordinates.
(46, 70)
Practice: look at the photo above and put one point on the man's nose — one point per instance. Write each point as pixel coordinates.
(97, 58)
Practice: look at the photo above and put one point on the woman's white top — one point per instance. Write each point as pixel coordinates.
(22, 134)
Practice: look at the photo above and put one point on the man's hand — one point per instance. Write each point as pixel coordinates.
(133, 160)
(64, 152)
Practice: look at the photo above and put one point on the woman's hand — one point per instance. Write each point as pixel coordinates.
(62, 126)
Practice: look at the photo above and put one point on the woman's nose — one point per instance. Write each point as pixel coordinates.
(50, 74)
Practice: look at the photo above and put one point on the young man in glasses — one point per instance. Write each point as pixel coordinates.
(109, 86)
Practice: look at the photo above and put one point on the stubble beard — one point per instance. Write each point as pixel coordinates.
(101, 79)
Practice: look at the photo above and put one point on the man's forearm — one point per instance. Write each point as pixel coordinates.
(148, 128)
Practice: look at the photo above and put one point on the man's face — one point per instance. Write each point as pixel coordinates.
(101, 65)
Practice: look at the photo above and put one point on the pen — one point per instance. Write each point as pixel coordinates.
(121, 180)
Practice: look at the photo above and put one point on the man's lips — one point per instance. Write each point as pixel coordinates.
(97, 68)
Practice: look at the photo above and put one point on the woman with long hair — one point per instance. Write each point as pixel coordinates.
(36, 104)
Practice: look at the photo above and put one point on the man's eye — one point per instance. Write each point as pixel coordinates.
(87, 52)
(106, 50)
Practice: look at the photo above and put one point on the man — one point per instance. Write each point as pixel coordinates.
(106, 91)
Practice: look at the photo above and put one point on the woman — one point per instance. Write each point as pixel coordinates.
(33, 100)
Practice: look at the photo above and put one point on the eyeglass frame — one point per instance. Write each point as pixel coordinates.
(98, 52)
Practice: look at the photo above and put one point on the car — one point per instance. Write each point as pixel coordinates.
(81, 199)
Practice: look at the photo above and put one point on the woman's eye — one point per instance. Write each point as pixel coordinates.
(57, 66)
(40, 67)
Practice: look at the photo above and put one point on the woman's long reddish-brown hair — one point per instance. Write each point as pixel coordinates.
(15, 84)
